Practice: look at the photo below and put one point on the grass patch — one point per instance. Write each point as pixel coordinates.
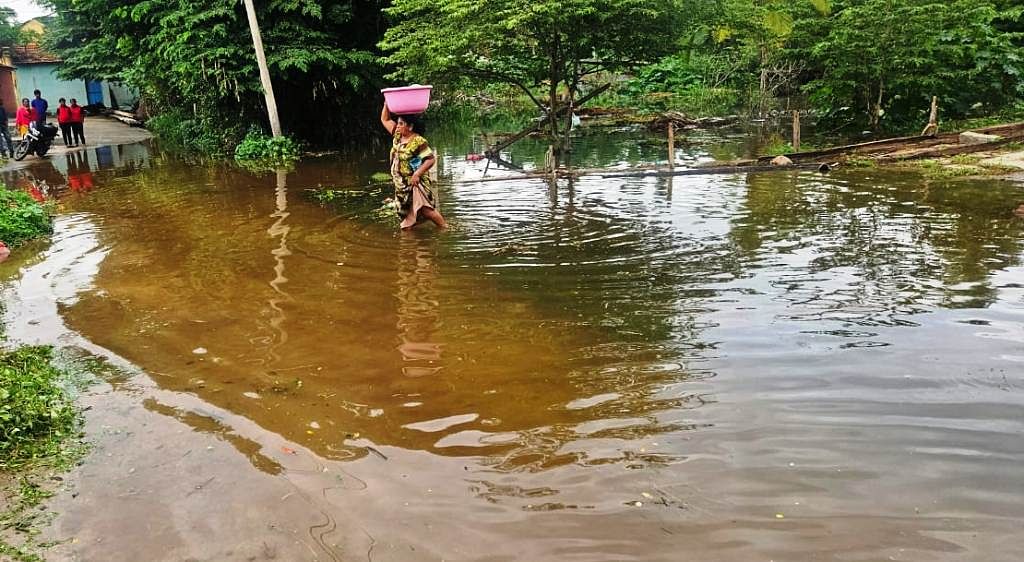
(39, 431)
(775, 146)
(22, 218)
(860, 162)
(965, 159)
(936, 170)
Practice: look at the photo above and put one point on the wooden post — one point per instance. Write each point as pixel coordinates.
(671, 145)
(261, 60)
(796, 131)
(932, 128)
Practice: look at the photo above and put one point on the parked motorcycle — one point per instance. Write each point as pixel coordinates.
(37, 140)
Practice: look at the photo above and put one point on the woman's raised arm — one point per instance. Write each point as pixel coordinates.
(385, 119)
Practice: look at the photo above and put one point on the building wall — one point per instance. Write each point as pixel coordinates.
(8, 95)
(125, 97)
(42, 77)
(33, 26)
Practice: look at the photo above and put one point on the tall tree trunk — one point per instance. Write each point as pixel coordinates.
(876, 106)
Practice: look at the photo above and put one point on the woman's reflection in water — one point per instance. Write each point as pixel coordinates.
(418, 314)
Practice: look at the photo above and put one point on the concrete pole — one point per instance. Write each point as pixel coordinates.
(261, 60)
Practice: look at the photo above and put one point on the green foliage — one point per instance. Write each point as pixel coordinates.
(871, 61)
(260, 148)
(935, 170)
(204, 136)
(198, 55)
(860, 162)
(10, 35)
(487, 104)
(979, 117)
(776, 145)
(21, 217)
(886, 58)
(696, 84)
(528, 44)
(36, 414)
(37, 418)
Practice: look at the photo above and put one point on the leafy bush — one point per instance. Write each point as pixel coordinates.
(36, 413)
(697, 85)
(21, 217)
(201, 135)
(258, 147)
(889, 58)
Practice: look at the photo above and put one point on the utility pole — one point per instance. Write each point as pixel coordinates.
(261, 60)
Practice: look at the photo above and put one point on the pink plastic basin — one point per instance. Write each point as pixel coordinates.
(407, 99)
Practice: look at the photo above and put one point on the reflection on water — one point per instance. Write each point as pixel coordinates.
(703, 352)
(71, 173)
(417, 306)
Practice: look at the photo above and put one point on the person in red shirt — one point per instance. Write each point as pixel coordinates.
(64, 120)
(24, 116)
(77, 122)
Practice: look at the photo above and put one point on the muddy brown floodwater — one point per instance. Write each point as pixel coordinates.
(785, 366)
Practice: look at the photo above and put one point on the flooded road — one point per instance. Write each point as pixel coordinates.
(787, 366)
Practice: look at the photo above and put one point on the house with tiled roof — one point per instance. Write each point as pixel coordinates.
(36, 69)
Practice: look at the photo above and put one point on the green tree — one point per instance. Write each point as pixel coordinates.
(757, 32)
(552, 44)
(888, 57)
(9, 33)
(197, 56)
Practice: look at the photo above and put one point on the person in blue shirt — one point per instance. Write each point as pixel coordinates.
(40, 105)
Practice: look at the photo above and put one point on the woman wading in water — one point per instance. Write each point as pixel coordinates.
(411, 159)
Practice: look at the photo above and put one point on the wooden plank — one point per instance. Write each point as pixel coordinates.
(949, 150)
(876, 144)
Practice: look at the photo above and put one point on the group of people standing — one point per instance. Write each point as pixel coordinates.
(71, 118)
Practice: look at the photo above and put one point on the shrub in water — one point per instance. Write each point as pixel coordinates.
(21, 217)
(258, 147)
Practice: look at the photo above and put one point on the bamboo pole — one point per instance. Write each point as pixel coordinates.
(261, 60)
(796, 131)
(671, 145)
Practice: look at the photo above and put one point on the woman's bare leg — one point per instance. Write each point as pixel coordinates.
(434, 216)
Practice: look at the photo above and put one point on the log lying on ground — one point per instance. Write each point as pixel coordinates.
(906, 148)
(949, 150)
(125, 117)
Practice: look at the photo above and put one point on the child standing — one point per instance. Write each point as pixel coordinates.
(77, 122)
(64, 120)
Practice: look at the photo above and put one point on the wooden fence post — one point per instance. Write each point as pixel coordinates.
(671, 145)
(796, 131)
